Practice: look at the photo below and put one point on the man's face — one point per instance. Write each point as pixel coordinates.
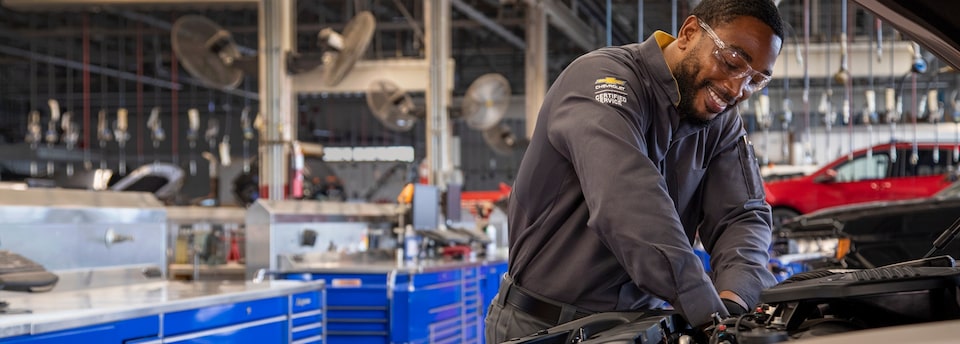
(718, 72)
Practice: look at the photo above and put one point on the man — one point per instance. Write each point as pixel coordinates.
(637, 150)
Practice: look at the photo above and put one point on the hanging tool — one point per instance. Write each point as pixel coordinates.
(247, 127)
(899, 114)
(809, 147)
(213, 130)
(891, 116)
(52, 136)
(785, 126)
(193, 133)
(763, 120)
(915, 154)
(225, 140)
(104, 135)
(842, 76)
(121, 134)
(954, 101)
(121, 107)
(869, 115)
(894, 102)
(919, 65)
(70, 137)
(846, 120)
(878, 27)
(34, 137)
(934, 115)
(213, 127)
(156, 131)
(826, 108)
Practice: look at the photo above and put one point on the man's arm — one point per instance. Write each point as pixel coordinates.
(736, 227)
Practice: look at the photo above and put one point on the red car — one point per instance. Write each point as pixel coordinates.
(892, 171)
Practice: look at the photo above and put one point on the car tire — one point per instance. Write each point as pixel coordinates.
(782, 214)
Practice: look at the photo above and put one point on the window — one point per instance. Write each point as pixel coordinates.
(864, 168)
(927, 164)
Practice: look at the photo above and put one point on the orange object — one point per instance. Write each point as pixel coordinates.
(475, 200)
(406, 195)
(843, 247)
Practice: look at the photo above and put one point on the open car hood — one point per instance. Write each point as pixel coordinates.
(931, 23)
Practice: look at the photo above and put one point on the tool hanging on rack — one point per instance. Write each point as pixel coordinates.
(894, 113)
(121, 134)
(225, 140)
(52, 136)
(156, 131)
(34, 137)
(785, 120)
(104, 135)
(764, 120)
(954, 101)
(121, 106)
(213, 130)
(247, 127)
(842, 77)
(915, 151)
(868, 117)
(869, 114)
(193, 133)
(808, 146)
(934, 115)
(70, 137)
(826, 109)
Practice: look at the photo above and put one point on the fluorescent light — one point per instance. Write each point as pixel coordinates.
(387, 153)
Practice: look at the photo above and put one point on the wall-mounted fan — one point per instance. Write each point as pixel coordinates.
(486, 101)
(501, 139)
(209, 53)
(392, 106)
(483, 106)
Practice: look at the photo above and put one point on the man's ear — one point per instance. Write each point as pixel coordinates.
(689, 33)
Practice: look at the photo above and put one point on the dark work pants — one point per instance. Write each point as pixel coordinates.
(504, 321)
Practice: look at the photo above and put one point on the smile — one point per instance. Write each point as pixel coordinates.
(716, 104)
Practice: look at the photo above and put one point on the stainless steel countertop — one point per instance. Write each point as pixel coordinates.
(54, 311)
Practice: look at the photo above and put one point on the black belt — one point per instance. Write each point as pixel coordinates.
(544, 311)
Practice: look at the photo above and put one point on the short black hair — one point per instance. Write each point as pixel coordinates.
(715, 12)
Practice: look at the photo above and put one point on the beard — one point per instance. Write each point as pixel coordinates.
(689, 87)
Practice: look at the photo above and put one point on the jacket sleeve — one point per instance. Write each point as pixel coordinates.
(629, 205)
(736, 227)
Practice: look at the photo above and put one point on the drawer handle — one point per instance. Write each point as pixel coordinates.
(249, 310)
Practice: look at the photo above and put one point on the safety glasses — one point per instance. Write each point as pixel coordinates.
(734, 64)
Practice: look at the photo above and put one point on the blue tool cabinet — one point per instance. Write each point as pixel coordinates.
(441, 302)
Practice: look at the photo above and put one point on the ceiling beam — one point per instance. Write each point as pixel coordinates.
(563, 18)
(498, 29)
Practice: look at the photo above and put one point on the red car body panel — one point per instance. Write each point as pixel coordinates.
(891, 177)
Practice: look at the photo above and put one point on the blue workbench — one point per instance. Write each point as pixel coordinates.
(169, 312)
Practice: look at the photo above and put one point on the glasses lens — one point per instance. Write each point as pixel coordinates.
(738, 68)
(735, 63)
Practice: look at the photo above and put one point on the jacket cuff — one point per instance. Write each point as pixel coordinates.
(699, 305)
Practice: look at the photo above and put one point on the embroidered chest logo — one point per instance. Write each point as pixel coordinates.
(610, 90)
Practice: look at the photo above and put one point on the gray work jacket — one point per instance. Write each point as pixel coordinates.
(614, 186)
